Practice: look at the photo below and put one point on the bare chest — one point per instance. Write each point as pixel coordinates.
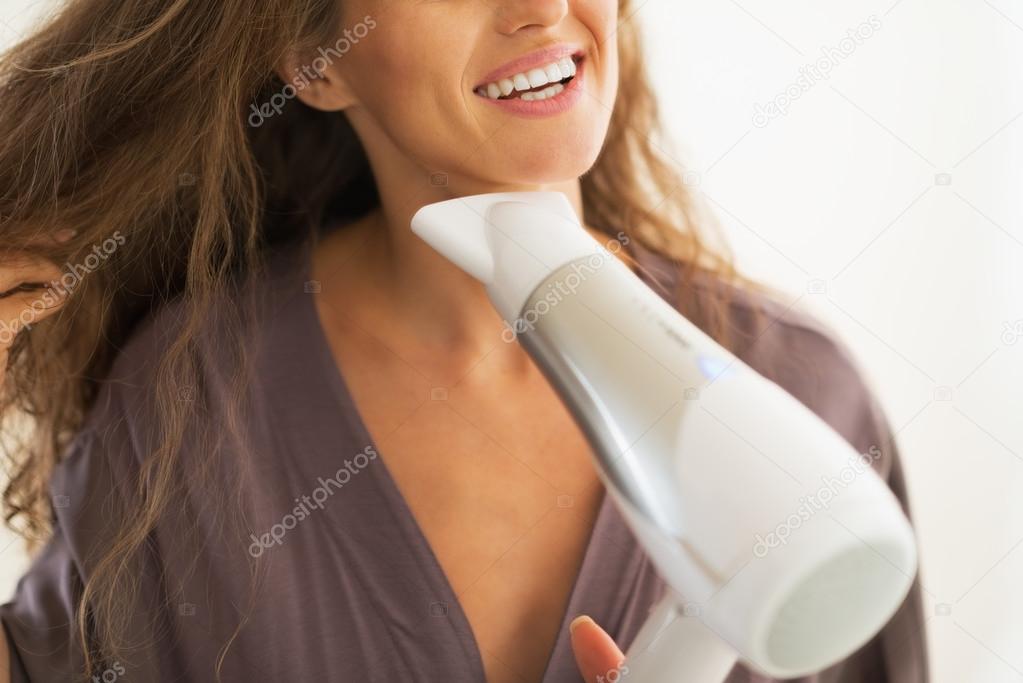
(501, 485)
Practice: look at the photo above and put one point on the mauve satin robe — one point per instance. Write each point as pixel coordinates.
(349, 589)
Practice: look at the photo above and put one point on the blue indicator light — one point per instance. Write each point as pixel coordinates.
(714, 368)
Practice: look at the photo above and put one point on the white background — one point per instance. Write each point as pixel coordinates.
(888, 200)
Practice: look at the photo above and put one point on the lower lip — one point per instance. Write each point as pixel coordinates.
(552, 106)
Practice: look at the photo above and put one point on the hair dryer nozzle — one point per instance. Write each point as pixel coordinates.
(509, 241)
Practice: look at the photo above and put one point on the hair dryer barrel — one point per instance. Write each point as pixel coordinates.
(765, 519)
(781, 538)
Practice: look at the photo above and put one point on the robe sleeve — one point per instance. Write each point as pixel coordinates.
(809, 361)
(88, 492)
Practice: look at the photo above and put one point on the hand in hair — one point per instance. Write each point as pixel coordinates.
(29, 292)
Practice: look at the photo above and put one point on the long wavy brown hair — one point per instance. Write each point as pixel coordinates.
(128, 118)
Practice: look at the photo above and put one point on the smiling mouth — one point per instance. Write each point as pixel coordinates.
(534, 84)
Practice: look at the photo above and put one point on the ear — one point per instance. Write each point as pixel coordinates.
(317, 82)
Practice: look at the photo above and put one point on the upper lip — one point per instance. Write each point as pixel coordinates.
(533, 59)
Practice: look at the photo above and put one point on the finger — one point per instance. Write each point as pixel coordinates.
(11, 326)
(27, 308)
(30, 287)
(26, 270)
(595, 651)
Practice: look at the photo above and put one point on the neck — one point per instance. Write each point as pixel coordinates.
(392, 283)
(389, 278)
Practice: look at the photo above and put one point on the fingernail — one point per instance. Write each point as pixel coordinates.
(65, 234)
(578, 620)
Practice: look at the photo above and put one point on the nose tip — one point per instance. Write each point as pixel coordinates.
(530, 14)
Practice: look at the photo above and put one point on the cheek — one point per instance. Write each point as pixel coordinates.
(611, 14)
(602, 19)
(410, 97)
(386, 74)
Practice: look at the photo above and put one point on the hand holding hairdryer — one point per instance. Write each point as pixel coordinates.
(779, 544)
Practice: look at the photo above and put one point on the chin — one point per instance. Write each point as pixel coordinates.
(548, 161)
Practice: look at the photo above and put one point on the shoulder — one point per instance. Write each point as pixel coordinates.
(257, 298)
(136, 389)
(787, 345)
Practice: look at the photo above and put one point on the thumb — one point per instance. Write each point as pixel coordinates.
(596, 654)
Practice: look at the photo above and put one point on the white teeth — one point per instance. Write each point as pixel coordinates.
(537, 77)
(534, 78)
(543, 94)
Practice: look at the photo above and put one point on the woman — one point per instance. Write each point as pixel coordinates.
(277, 436)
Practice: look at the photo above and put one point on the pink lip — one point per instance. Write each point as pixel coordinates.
(533, 59)
(561, 102)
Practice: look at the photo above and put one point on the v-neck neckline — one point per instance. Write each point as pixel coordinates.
(320, 354)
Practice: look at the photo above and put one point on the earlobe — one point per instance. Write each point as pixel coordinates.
(325, 90)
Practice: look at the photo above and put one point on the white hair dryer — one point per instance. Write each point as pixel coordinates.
(778, 542)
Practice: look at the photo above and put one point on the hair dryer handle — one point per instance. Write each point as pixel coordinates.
(673, 647)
